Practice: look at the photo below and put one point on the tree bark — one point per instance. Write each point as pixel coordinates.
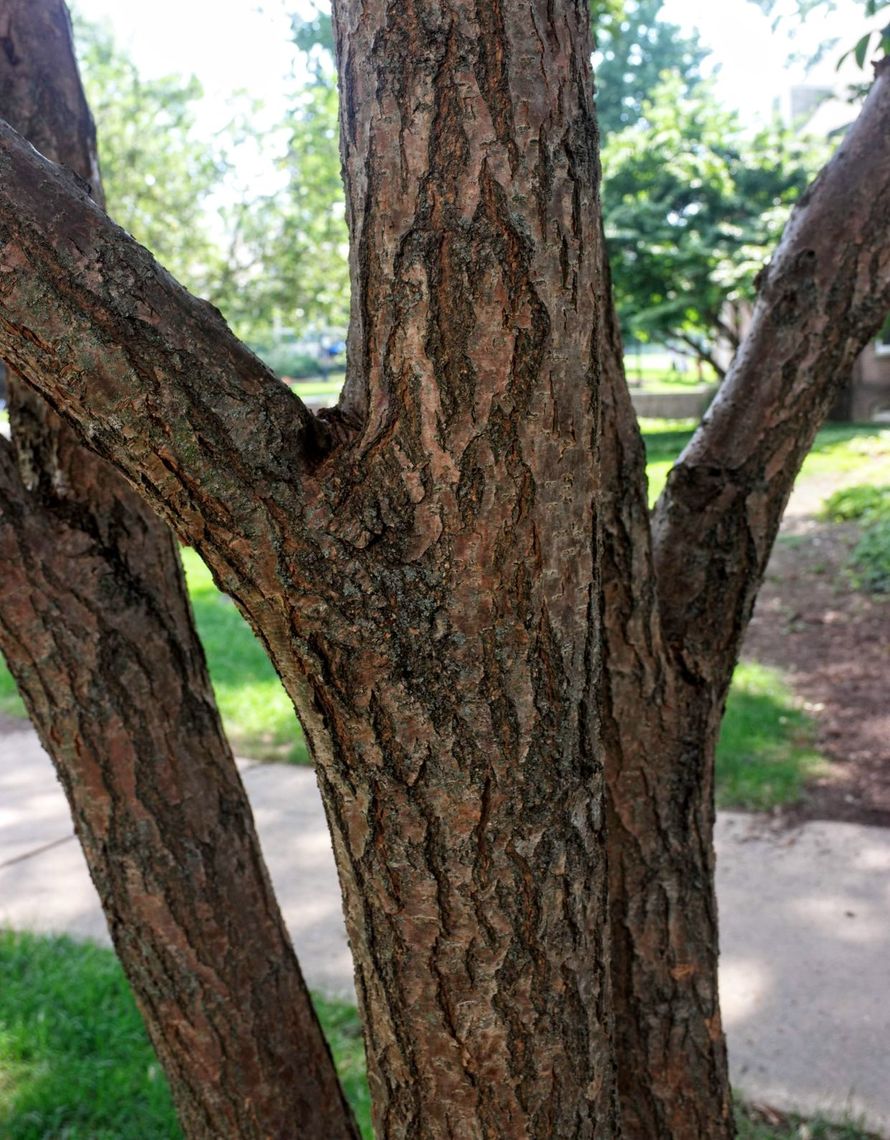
(420, 565)
(96, 628)
(671, 1055)
(428, 588)
(671, 641)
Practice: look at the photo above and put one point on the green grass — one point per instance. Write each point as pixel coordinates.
(321, 387)
(11, 704)
(839, 449)
(74, 1058)
(256, 711)
(75, 1061)
(765, 752)
(757, 1124)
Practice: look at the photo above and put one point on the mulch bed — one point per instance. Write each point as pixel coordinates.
(834, 642)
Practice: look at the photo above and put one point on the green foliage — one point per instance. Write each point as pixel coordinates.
(876, 39)
(266, 258)
(157, 171)
(765, 751)
(75, 1060)
(635, 50)
(869, 505)
(871, 558)
(693, 207)
(863, 503)
(286, 264)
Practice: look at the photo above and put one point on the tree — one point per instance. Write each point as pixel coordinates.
(271, 258)
(157, 170)
(96, 627)
(286, 262)
(693, 206)
(636, 49)
(454, 570)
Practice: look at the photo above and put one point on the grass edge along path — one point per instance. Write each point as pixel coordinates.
(76, 1063)
(260, 722)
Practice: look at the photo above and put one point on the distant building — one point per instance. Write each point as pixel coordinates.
(866, 396)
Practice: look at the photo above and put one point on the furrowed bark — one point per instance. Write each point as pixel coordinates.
(670, 1051)
(152, 376)
(96, 628)
(464, 787)
(822, 297)
(669, 658)
(429, 589)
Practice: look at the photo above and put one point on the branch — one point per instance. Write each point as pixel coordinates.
(152, 376)
(822, 298)
(696, 351)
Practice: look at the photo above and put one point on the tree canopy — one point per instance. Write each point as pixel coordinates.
(693, 205)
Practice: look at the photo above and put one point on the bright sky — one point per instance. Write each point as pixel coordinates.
(232, 44)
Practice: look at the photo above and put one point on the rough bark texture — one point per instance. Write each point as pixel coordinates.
(671, 1055)
(670, 651)
(420, 564)
(96, 628)
(822, 297)
(428, 588)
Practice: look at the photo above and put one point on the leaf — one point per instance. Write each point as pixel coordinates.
(861, 49)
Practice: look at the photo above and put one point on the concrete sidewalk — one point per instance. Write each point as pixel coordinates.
(805, 921)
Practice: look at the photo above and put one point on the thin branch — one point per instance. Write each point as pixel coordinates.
(698, 353)
(152, 376)
(823, 296)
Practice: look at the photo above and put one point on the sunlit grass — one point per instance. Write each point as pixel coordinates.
(76, 1063)
(75, 1060)
(257, 713)
(766, 751)
(839, 449)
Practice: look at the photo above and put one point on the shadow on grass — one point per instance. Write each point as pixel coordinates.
(765, 752)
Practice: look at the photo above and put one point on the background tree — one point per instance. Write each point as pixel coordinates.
(636, 49)
(693, 205)
(267, 258)
(158, 169)
(422, 562)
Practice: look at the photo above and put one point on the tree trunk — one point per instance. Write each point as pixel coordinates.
(672, 640)
(419, 562)
(672, 1067)
(428, 588)
(96, 628)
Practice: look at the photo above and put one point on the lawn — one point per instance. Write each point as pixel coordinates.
(75, 1061)
(765, 751)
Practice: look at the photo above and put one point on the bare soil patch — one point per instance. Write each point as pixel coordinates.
(833, 641)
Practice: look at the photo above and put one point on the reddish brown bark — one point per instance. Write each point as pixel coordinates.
(421, 570)
(428, 589)
(671, 1055)
(95, 625)
(670, 651)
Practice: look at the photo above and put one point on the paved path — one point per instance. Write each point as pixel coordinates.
(805, 914)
